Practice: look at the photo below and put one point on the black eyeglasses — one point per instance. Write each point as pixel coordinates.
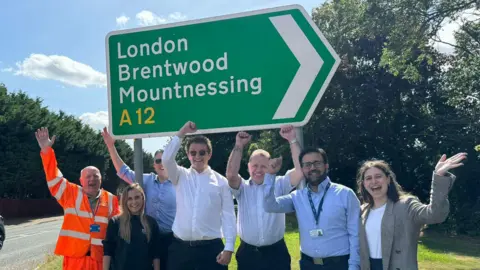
(201, 153)
(316, 164)
(158, 161)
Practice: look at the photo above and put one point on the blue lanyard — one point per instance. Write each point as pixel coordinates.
(316, 214)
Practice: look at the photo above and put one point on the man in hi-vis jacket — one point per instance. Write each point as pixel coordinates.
(87, 210)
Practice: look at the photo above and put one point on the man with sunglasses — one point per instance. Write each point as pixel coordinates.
(159, 192)
(205, 211)
(262, 246)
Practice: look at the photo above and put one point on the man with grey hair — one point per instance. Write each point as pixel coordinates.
(159, 192)
(264, 248)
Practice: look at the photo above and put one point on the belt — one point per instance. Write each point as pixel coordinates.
(195, 243)
(327, 260)
(278, 243)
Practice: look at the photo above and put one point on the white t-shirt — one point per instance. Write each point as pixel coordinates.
(373, 228)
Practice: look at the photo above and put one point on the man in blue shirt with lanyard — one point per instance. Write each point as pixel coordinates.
(159, 192)
(328, 216)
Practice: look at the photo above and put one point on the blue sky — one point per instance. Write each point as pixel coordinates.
(55, 49)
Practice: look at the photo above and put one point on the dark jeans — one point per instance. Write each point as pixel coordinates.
(195, 255)
(330, 263)
(275, 256)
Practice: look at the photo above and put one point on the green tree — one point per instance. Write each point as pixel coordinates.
(77, 146)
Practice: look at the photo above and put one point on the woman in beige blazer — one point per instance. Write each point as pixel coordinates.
(392, 219)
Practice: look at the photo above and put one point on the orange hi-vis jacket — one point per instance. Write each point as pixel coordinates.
(76, 237)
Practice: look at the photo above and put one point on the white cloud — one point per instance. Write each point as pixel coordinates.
(122, 20)
(446, 33)
(9, 69)
(99, 120)
(147, 18)
(60, 68)
(177, 16)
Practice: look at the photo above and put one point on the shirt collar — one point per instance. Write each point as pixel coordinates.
(158, 180)
(322, 185)
(252, 183)
(206, 171)
(96, 197)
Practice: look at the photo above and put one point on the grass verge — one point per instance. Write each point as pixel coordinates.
(435, 251)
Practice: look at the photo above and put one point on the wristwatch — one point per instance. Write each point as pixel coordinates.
(293, 141)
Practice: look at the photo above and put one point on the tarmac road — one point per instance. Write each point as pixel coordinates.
(26, 245)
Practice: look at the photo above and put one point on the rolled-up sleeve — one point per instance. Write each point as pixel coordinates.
(237, 192)
(126, 174)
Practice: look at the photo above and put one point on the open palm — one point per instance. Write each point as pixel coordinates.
(43, 138)
(445, 164)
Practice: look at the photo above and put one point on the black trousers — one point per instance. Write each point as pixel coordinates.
(195, 255)
(270, 257)
(165, 242)
(330, 263)
(376, 264)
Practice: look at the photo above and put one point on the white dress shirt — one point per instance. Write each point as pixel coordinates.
(204, 202)
(255, 226)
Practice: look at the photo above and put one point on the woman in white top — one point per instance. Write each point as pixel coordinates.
(392, 219)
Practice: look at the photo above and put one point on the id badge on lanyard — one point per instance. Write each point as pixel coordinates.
(95, 227)
(316, 214)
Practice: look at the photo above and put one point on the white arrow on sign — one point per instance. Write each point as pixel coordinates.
(310, 65)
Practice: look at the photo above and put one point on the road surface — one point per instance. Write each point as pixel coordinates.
(27, 245)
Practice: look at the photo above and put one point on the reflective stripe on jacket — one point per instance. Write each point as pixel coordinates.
(75, 238)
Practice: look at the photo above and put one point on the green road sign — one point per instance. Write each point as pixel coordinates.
(252, 70)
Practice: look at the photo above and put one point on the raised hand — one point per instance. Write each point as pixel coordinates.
(43, 138)
(242, 139)
(288, 132)
(189, 127)
(107, 138)
(445, 164)
(274, 165)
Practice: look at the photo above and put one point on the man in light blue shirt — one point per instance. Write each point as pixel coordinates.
(159, 192)
(262, 246)
(328, 216)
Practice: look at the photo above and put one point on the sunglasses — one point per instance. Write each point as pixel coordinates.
(201, 153)
(158, 161)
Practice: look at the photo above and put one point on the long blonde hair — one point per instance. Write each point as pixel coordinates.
(125, 215)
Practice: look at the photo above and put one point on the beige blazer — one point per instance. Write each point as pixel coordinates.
(401, 225)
